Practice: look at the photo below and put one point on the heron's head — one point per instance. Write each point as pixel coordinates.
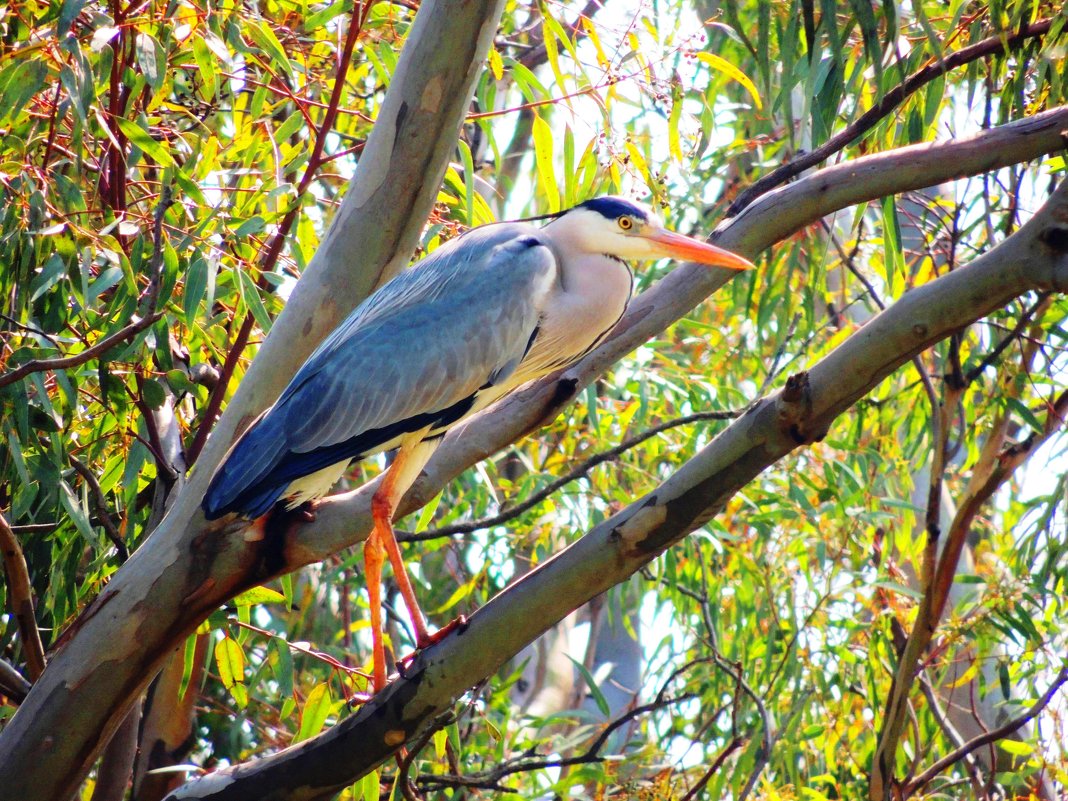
(633, 231)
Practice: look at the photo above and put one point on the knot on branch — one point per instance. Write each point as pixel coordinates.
(794, 410)
(1056, 238)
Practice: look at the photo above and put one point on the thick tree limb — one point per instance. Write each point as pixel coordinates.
(185, 569)
(1035, 259)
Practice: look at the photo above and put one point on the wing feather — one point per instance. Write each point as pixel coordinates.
(423, 345)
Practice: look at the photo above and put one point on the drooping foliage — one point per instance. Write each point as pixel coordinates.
(167, 170)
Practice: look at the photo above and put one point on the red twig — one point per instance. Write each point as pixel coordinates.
(20, 598)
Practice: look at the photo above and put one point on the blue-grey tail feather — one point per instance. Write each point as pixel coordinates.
(238, 485)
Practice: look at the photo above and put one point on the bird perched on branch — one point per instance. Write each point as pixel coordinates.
(483, 314)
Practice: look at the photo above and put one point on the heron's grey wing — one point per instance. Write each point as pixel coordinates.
(428, 340)
(414, 355)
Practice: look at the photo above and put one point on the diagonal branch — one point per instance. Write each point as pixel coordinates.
(578, 471)
(993, 45)
(20, 598)
(988, 738)
(984, 483)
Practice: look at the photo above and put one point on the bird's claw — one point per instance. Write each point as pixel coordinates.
(458, 624)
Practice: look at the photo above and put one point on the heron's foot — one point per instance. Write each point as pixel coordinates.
(425, 641)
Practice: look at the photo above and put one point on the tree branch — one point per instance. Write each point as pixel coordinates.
(578, 471)
(985, 481)
(12, 683)
(993, 45)
(989, 737)
(20, 599)
(186, 568)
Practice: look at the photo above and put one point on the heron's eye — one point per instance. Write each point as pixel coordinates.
(626, 223)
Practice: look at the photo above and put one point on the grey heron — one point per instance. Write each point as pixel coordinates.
(483, 314)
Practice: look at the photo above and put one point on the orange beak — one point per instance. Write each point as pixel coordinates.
(685, 248)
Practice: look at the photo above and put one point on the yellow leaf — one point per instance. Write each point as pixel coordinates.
(441, 737)
(595, 40)
(1016, 748)
(543, 159)
(722, 65)
(496, 65)
(638, 160)
(259, 595)
(230, 660)
(967, 675)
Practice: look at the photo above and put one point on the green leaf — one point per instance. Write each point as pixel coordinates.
(426, 514)
(251, 294)
(263, 36)
(372, 786)
(595, 691)
(1025, 414)
(894, 259)
(209, 81)
(189, 652)
(52, 273)
(139, 137)
(153, 393)
(317, 20)
(152, 60)
(196, 285)
(313, 715)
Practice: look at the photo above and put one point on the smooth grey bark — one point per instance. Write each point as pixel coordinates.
(1035, 258)
(187, 568)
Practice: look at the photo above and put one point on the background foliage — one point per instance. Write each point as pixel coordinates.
(167, 168)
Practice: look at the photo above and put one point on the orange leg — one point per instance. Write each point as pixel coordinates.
(372, 559)
(399, 477)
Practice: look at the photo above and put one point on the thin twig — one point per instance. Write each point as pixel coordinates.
(20, 599)
(955, 738)
(989, 737)
(13, 684)
(579, 471)
(717, 763)
(107, 522)
(1021, 324)
(889, 101)
(491, 779)
(149, 314)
